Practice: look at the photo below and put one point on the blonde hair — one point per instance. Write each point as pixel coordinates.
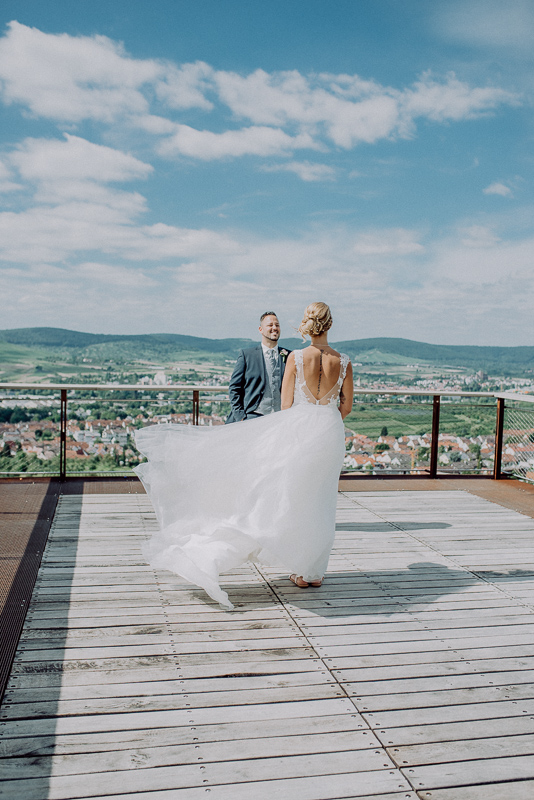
(317, 319)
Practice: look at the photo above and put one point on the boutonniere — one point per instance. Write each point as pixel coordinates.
(284, 353)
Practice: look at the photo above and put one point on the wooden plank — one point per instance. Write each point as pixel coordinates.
(439, 733)
(516, 789)
(495, 670)
(416, 685)
(450, 697)
(467, 711)
(125, 704)
(421, 645)
(139, 672)
(379, 785)
(228, 659)
(145, 757)
(467, 773)
(247, 683)
(176, 648)
(94, 723)
(226, 772)
(430, 657)
(463, 750)
(152, 634)
(346, 625)
(112, 741)
(523, 632)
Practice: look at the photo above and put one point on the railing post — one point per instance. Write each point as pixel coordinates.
(499, 430)
(196, 406)
(63, 436)
(435, 437)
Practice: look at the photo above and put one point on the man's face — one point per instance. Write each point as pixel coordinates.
(270, 330)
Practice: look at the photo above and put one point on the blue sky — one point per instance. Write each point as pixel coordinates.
(182, 167)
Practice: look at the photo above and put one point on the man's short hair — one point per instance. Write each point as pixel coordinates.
(268, 314)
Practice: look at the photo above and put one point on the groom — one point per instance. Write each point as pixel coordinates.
(257, 377)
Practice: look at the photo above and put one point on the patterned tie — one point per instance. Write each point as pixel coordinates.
(275, 388)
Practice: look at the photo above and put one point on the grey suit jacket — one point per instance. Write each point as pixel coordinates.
(249, 379)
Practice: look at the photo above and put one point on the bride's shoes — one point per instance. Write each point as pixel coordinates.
(299, 581)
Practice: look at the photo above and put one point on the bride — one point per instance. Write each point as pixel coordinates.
(263, 490)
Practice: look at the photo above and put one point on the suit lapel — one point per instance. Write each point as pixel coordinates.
(282, 364)
(262, 367)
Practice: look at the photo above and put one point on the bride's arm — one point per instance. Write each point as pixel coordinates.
(288, 384)
(346, 394)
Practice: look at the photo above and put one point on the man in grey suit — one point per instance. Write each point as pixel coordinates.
(257, 377)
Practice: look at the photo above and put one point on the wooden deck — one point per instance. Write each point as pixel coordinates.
(409, 674)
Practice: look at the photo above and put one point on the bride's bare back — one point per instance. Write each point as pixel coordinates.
(322, 367)
(324, 376)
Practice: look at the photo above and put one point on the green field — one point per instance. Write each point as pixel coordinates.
(403, 419)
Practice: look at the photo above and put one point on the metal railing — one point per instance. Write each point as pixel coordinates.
(433, 399)
(517, 440)
(66, 390)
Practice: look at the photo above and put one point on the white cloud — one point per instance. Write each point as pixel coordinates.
(58, 233)
(206, 145)
(157, 242)
(451, 99)
(75, 78)
(449, 292)
(151, 123)
(186, 86)
(72, 78)
(80, 253)
(305, 170)
(6, 182)
(75, 213)
(488, 23)
(118, 204)
(498, 188)
(478, 236)
(69, 177)
(479, 257)
(506, 264)
(388, 242)
(114, 275)
(349, 110)
(75, 159)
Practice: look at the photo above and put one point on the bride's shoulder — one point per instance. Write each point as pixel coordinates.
(290, 360)
(335, 353)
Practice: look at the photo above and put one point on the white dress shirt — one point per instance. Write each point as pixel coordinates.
(267, 349)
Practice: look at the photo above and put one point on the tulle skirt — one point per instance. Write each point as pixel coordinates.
(262, 490)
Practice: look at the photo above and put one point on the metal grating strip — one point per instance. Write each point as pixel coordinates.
(25, 520)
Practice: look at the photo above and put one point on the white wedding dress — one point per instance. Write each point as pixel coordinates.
(263, 490)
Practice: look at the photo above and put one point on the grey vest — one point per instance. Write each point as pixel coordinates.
(271, 397)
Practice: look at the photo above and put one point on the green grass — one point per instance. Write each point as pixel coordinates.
(416, 418)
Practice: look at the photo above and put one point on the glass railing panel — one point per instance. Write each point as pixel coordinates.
(388, 435)
(29, 433)
(466, 443)
(518, 441)
(101, 425)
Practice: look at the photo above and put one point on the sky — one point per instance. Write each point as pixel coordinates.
(182, 167)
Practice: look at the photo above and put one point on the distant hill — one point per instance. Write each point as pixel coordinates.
(61, 337)
(476, 357)
(500, 360)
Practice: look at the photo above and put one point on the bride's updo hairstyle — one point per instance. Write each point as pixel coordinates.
(317, 319)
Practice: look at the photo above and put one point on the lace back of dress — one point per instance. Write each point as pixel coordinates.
(302, 390)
